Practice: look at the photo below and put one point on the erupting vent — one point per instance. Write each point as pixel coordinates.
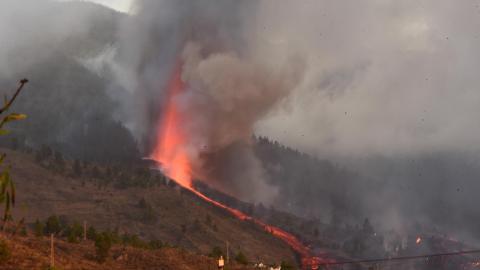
(171, 152)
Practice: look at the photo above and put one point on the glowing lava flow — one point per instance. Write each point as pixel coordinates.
(171, 153)
(170, 149)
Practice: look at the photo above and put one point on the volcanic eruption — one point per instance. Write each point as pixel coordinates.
(171, 152)
(214, 88)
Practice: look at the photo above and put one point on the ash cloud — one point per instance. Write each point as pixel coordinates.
(229, 87)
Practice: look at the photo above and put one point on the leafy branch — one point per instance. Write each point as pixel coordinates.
(7, 188)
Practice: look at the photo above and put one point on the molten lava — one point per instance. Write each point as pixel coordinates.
(172, 154)
(170, 150)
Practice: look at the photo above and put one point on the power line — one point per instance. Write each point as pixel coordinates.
(402, 258)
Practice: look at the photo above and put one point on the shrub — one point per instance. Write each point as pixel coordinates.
(5, 252)
(53, 225)
(134, 241)
(38, 228)
(91, 233)
(241, 258)
(74, 233)
(103, 243)
(286, 266)
(155, 244)
(216, 252)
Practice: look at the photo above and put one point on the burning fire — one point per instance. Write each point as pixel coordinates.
(172, 155)
(419, 240)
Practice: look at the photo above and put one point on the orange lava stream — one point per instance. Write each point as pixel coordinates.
(288, 238)
(171, 153)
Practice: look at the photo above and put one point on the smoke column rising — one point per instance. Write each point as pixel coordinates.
(226, 88)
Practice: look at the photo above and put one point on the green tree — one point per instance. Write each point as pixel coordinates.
(53, 225)
(216, 252)
(103, 243)
(38, 228)
(241, 258)
(74, 233)
(91, 233)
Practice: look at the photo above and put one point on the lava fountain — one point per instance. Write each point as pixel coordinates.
(171, 152)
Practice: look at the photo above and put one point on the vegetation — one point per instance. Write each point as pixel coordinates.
(216, 252)
(74, 232)
(38, 228)
(287, 266)
(7, 188)
(5, 252)
(91, 233)
(241, 258)
(103, 243)
(53, 225)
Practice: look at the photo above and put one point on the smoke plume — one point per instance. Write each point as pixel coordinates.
(228, 86)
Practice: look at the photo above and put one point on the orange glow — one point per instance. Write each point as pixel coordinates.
(171, 153)
(288, 238)
(419, 240)
(170, 150)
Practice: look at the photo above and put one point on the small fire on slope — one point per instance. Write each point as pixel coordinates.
(171, 152)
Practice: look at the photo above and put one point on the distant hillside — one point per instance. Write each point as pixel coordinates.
(70, 105)
(309, 186)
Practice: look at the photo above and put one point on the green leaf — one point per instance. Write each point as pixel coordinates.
(15, 116)
(4, 132)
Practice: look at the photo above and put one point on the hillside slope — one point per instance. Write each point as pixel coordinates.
(171, 215)
(33, 253)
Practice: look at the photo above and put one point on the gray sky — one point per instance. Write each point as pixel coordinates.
(120, 5)
(388, 77)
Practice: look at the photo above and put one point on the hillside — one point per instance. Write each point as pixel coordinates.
(160, 211)
(33, 253)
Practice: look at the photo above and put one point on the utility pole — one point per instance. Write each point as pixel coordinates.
(228, 257)
(52, 252)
